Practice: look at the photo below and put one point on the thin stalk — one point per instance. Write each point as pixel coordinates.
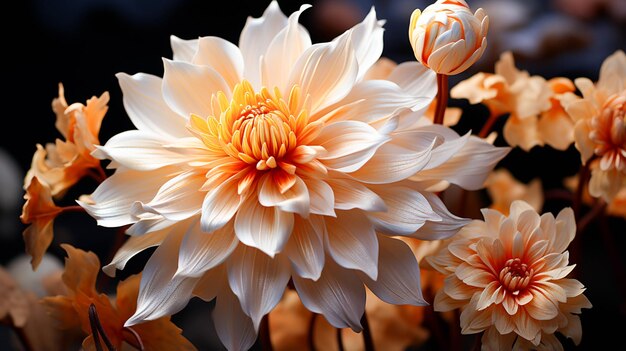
(442, 98)
(311, 335)
(367, 333)
(266, 341)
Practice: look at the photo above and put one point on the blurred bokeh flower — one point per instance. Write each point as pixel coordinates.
(600, 129)
(508, 274)
(504, 189)
(276, 160)
(447, 37)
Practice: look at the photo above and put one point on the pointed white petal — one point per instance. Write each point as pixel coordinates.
(392, 163)
(187, 88)
(348, 144)
(143, 101)
(367, 40)
(133, 246)
(142, 151)
(449, 225)
(220, 205)
(200, 251)
(183, 50)
(283, 52)
(211, 283)
(233, 327)
(416, 80)
(295, 200)
(258, 280)
(327, 72)
(110, 203)
(407, 211)
(222, 56)
(266, 228)
(351, 242)
(469, 167)
(179, 198)
(338, 294)
(160, 294)
(351, 194)
(305, 247)
(398, 280)
(256, 36)
(322, 197)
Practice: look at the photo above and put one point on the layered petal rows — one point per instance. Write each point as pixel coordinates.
(277, 160)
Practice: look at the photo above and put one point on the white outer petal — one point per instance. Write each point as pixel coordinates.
(351, 241)
(256, 36)
(222, 56)
(220, 205)
(144, 104)
(182, 49)
(265, 228)
(234, 328)
(398, 282)
(448, 226)
(110, 203)
(338, 294)
(351, 194)
(187, 88)
(305, 247)
(133, 246)
(200, 251)
(160, 293)
(258, 280)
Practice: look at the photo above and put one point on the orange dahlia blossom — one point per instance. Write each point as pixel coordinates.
(71, 310)
(62, 164)
(274, 160)
(600, 126)
(508, 273)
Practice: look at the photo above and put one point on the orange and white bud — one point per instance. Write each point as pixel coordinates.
(447, 37)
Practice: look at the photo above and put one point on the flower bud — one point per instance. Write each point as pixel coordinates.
(447, 37)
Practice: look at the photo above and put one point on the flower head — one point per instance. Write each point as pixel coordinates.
(600, 126)
(509, 275)
(447, 37)
(72, 310)
(62, 164)
(534, 105)
(274, 160)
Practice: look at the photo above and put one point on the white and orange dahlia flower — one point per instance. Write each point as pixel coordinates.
(509, 275)
(275, 160)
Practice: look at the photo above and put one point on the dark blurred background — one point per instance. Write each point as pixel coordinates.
(84, 43)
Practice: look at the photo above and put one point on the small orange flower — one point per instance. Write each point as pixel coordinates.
(62, 164)
(508, 273)
(534, 105)
(39, 211)
(72, 311)
(600, 129)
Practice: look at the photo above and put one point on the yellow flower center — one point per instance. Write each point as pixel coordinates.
(515, 275)
(258, 131)
(608, 132)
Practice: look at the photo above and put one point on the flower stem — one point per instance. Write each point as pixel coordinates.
(583, 176)
(97, 330)
(484, 131)
(266, 341)
(311, 336)
(21, 335)
(442, 98)
(339, 340)
(477, 342)
(367, 334)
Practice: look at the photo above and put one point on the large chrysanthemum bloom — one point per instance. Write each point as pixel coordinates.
(276, 160)
(534, 105)
(62, 164)
(600, 129)
(509, 275)
(71, 310)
